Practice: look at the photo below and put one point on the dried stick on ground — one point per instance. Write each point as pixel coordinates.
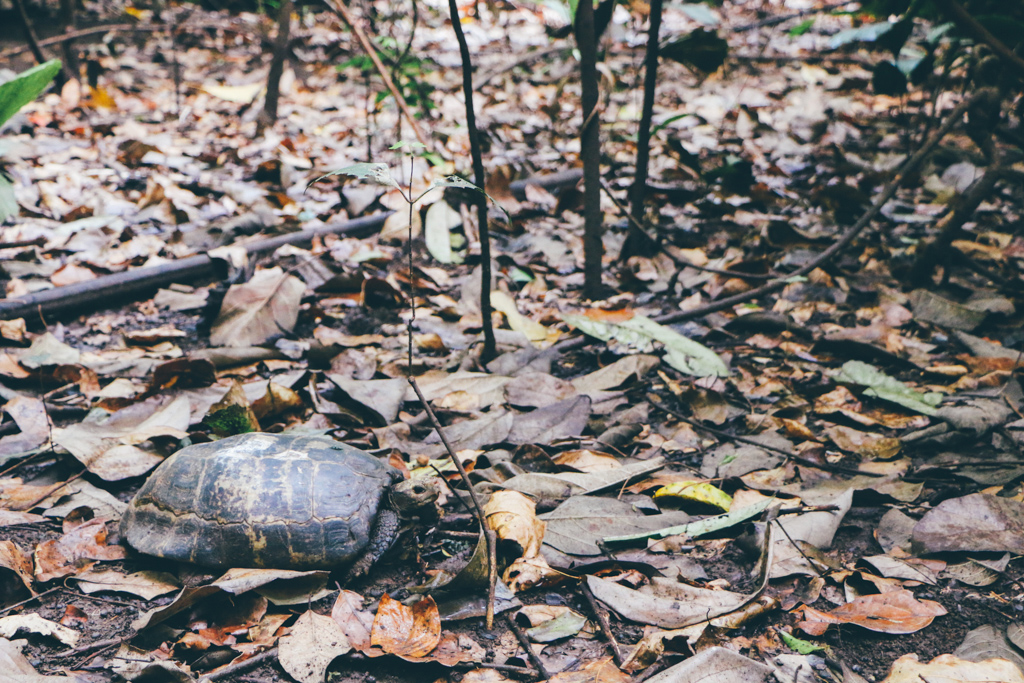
(936, 251)
(489, 349)
(908, 169)
(477, 505)
(963, 18)
(357, 28)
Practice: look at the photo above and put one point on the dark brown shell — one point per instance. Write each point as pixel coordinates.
(260, 500)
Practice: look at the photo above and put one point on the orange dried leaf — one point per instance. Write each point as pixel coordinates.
(399, 630)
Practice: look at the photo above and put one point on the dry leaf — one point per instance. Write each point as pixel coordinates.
(513, 517)
(313, 643)
(399, 630)
(260, 310)
(895, 612)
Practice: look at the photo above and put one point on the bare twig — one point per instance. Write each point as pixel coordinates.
(964, 19)
(524, 642)
(268, 116)
(635, 241)
(357, 28)
(478, 506)
(49, 492)
(239, 667)
(30, 32)
(28, 600)
(602, 620)
(828, 467)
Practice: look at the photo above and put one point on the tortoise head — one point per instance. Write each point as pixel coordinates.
(415, 495)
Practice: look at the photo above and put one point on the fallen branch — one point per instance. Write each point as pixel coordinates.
(239, 667)
(140, 281)
(489, 536)
(937, 251)
(963, 18)
(132, 28)
(908, 168)
(342, 11)
(524, 642)
(826, 466)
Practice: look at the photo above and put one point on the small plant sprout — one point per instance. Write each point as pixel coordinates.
(380, 173)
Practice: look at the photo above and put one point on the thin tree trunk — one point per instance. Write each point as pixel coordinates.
(590, 150)
(269, 114)
(69, 24)
(30, 33)
(489, 350)
(638, 242)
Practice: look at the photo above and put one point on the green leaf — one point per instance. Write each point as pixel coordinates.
(667, 122)
(639, 332)
(700, 13)
(701, 527)
(804, 647)
(881, 385)
(378, 173)
(462, 184)
(868, 33)
(8, 204)
(23, 88)
(801, 28)
(401, 144)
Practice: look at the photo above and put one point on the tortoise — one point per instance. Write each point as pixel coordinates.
(273, 501)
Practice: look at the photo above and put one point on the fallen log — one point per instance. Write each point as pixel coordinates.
(138, 282)
(133, 284)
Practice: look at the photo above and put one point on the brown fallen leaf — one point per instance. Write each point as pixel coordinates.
(513, 517)
(895, 613)
(72, 553)
(413, 631)
(263, 308)
(598, 671)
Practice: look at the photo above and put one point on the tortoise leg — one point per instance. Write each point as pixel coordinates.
(382, 537)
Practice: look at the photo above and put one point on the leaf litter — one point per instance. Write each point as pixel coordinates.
(589, 481)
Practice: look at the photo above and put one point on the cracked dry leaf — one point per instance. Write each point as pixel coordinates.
(978, 522)
(262, 309)
(513, 517)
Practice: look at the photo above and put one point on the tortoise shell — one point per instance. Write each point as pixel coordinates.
(260, 500)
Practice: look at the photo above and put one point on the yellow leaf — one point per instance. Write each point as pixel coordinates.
(696, 492)
(239, 94)
(534, 331)
(101, 98)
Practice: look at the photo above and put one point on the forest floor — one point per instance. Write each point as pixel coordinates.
(838, 463)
